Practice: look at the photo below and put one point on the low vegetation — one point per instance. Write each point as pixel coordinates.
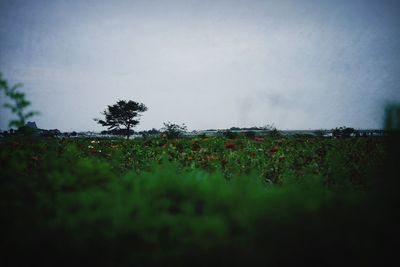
(152, 201)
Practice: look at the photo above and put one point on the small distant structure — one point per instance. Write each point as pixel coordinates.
(31, 128)
(31, 124)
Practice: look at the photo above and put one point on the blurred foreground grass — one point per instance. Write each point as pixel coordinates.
(197, 201)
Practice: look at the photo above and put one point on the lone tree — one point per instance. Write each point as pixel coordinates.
(123, 113)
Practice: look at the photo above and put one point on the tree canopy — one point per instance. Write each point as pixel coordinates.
(172, 130)
(122, 114)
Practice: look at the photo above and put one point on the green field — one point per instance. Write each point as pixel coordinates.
(198, 200)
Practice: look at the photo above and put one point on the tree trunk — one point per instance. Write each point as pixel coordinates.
(127, 134)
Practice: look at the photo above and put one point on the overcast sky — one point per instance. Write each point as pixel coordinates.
(207, 63)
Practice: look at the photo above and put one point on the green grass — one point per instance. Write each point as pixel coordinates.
(197, 201)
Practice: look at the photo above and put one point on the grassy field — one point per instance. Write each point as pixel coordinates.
(198, 200)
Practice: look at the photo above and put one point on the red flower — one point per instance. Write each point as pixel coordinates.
(209, 157)
(195, 146)
(258, 138)
(229, 145)
(34, 158)
(273, 149)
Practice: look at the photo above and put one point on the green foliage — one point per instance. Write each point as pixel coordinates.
(191, 201)
(229, 134)
(319, 133)
(172, 130)
(250, 134)
(343, 132)
(18, 105)
(274, 133)
(27, 131)
(123, 113)
(392, 117)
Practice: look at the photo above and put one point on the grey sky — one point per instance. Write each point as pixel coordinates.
(207, 63)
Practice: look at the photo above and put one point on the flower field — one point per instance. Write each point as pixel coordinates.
(197, 201)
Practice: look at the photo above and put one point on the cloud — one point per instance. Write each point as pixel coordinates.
(210, 64)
